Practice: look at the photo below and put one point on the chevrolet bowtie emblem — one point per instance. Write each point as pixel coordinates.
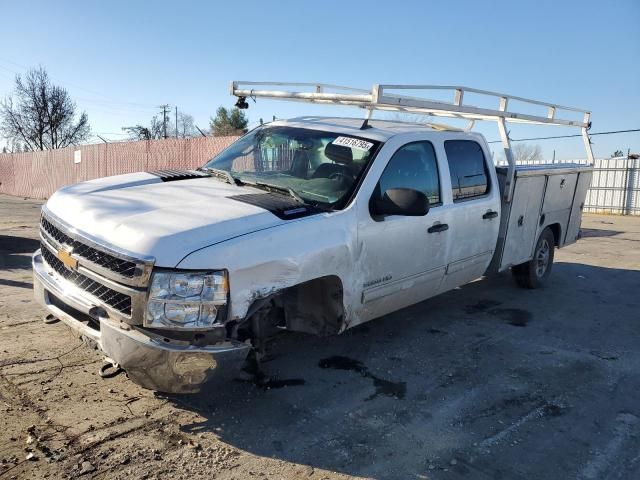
(66, 258)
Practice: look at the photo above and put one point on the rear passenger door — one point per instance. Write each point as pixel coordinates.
(474, 215)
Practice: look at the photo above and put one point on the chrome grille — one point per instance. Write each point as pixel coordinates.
(116, 300)
(105, 260)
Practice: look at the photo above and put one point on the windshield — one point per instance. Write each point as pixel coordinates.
(318, 167)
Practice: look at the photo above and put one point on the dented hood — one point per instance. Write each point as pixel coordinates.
(145, 215)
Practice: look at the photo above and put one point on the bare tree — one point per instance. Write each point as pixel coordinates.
(13, 146)
(154, 131)
(41, 115)
(186, 126)
(526, 153)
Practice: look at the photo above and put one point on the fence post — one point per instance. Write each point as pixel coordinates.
(630, 188)
(146, 156)
(625, 183)
(104, 159)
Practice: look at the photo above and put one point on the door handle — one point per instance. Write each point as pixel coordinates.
(438, 227)
(490, 214)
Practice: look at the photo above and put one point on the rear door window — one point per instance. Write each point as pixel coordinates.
(467, 168)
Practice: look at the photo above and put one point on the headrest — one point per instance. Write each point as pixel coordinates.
(338, 153)
(408, 159)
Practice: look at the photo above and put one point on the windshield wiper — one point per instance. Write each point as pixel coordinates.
(278, 188)
(224, 174)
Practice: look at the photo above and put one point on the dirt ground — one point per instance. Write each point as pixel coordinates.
(486, 382)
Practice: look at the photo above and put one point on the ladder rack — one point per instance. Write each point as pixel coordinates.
(380, 98)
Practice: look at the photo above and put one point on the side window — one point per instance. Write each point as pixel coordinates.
(413, 166)
(468, 169)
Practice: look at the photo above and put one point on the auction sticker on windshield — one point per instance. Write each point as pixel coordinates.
(353, 143)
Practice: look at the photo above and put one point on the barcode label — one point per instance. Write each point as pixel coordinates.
(353, 143)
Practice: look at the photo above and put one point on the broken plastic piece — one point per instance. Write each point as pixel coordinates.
(50, 319)
(109, 370)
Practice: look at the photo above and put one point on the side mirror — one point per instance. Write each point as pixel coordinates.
(401, 201)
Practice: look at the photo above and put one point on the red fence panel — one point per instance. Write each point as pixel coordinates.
(6, 173)
(39, 174)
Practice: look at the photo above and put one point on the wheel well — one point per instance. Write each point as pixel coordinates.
(557, 231)
(315, 306)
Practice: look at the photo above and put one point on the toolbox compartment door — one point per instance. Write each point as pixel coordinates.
(522, 223)
(573, 228)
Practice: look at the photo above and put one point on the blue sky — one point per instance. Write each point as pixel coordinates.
(121, 59)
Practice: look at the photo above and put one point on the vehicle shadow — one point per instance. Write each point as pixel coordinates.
(385, 399)
(16, 283)
(597, 232)
(15, 251)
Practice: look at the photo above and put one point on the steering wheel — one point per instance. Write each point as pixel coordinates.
(337, 175)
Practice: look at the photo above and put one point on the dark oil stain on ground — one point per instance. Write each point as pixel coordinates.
(383, 387)
(512, 405)
(435, 331)
(481, 306)
(513, 316)
(552, 410)
(604, 356)
(260, 379)
(279, 383)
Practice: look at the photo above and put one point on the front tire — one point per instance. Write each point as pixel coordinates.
(534, 273)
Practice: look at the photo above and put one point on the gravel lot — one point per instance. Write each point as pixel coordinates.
(486, 382)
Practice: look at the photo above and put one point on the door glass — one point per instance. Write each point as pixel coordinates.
(413, 166)
(467, 167)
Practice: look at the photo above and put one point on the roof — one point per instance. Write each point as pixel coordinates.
(380, 130)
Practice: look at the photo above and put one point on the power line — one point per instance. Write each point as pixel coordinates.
(567, 136)
(66, 82)
(110, 104)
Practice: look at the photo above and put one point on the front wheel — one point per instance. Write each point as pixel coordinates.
(534, 273)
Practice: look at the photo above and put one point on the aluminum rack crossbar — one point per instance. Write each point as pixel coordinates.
(380, 98)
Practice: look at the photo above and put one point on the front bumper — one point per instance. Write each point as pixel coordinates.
(150, 360)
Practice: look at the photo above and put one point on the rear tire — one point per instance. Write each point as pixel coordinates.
(534, 273)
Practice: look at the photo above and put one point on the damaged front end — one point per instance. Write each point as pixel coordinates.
(163, 327)
(166, 361)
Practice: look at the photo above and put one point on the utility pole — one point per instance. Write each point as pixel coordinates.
(176, 121)
(165, 110)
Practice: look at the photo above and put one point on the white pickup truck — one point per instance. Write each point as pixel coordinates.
(312, 224)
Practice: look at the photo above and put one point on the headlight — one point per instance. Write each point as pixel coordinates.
(189, 300)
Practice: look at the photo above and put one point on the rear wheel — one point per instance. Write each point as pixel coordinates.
(534, 273)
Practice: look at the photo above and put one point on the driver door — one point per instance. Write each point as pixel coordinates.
(403, 258)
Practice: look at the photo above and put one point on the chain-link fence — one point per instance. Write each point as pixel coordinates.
(39, 174)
